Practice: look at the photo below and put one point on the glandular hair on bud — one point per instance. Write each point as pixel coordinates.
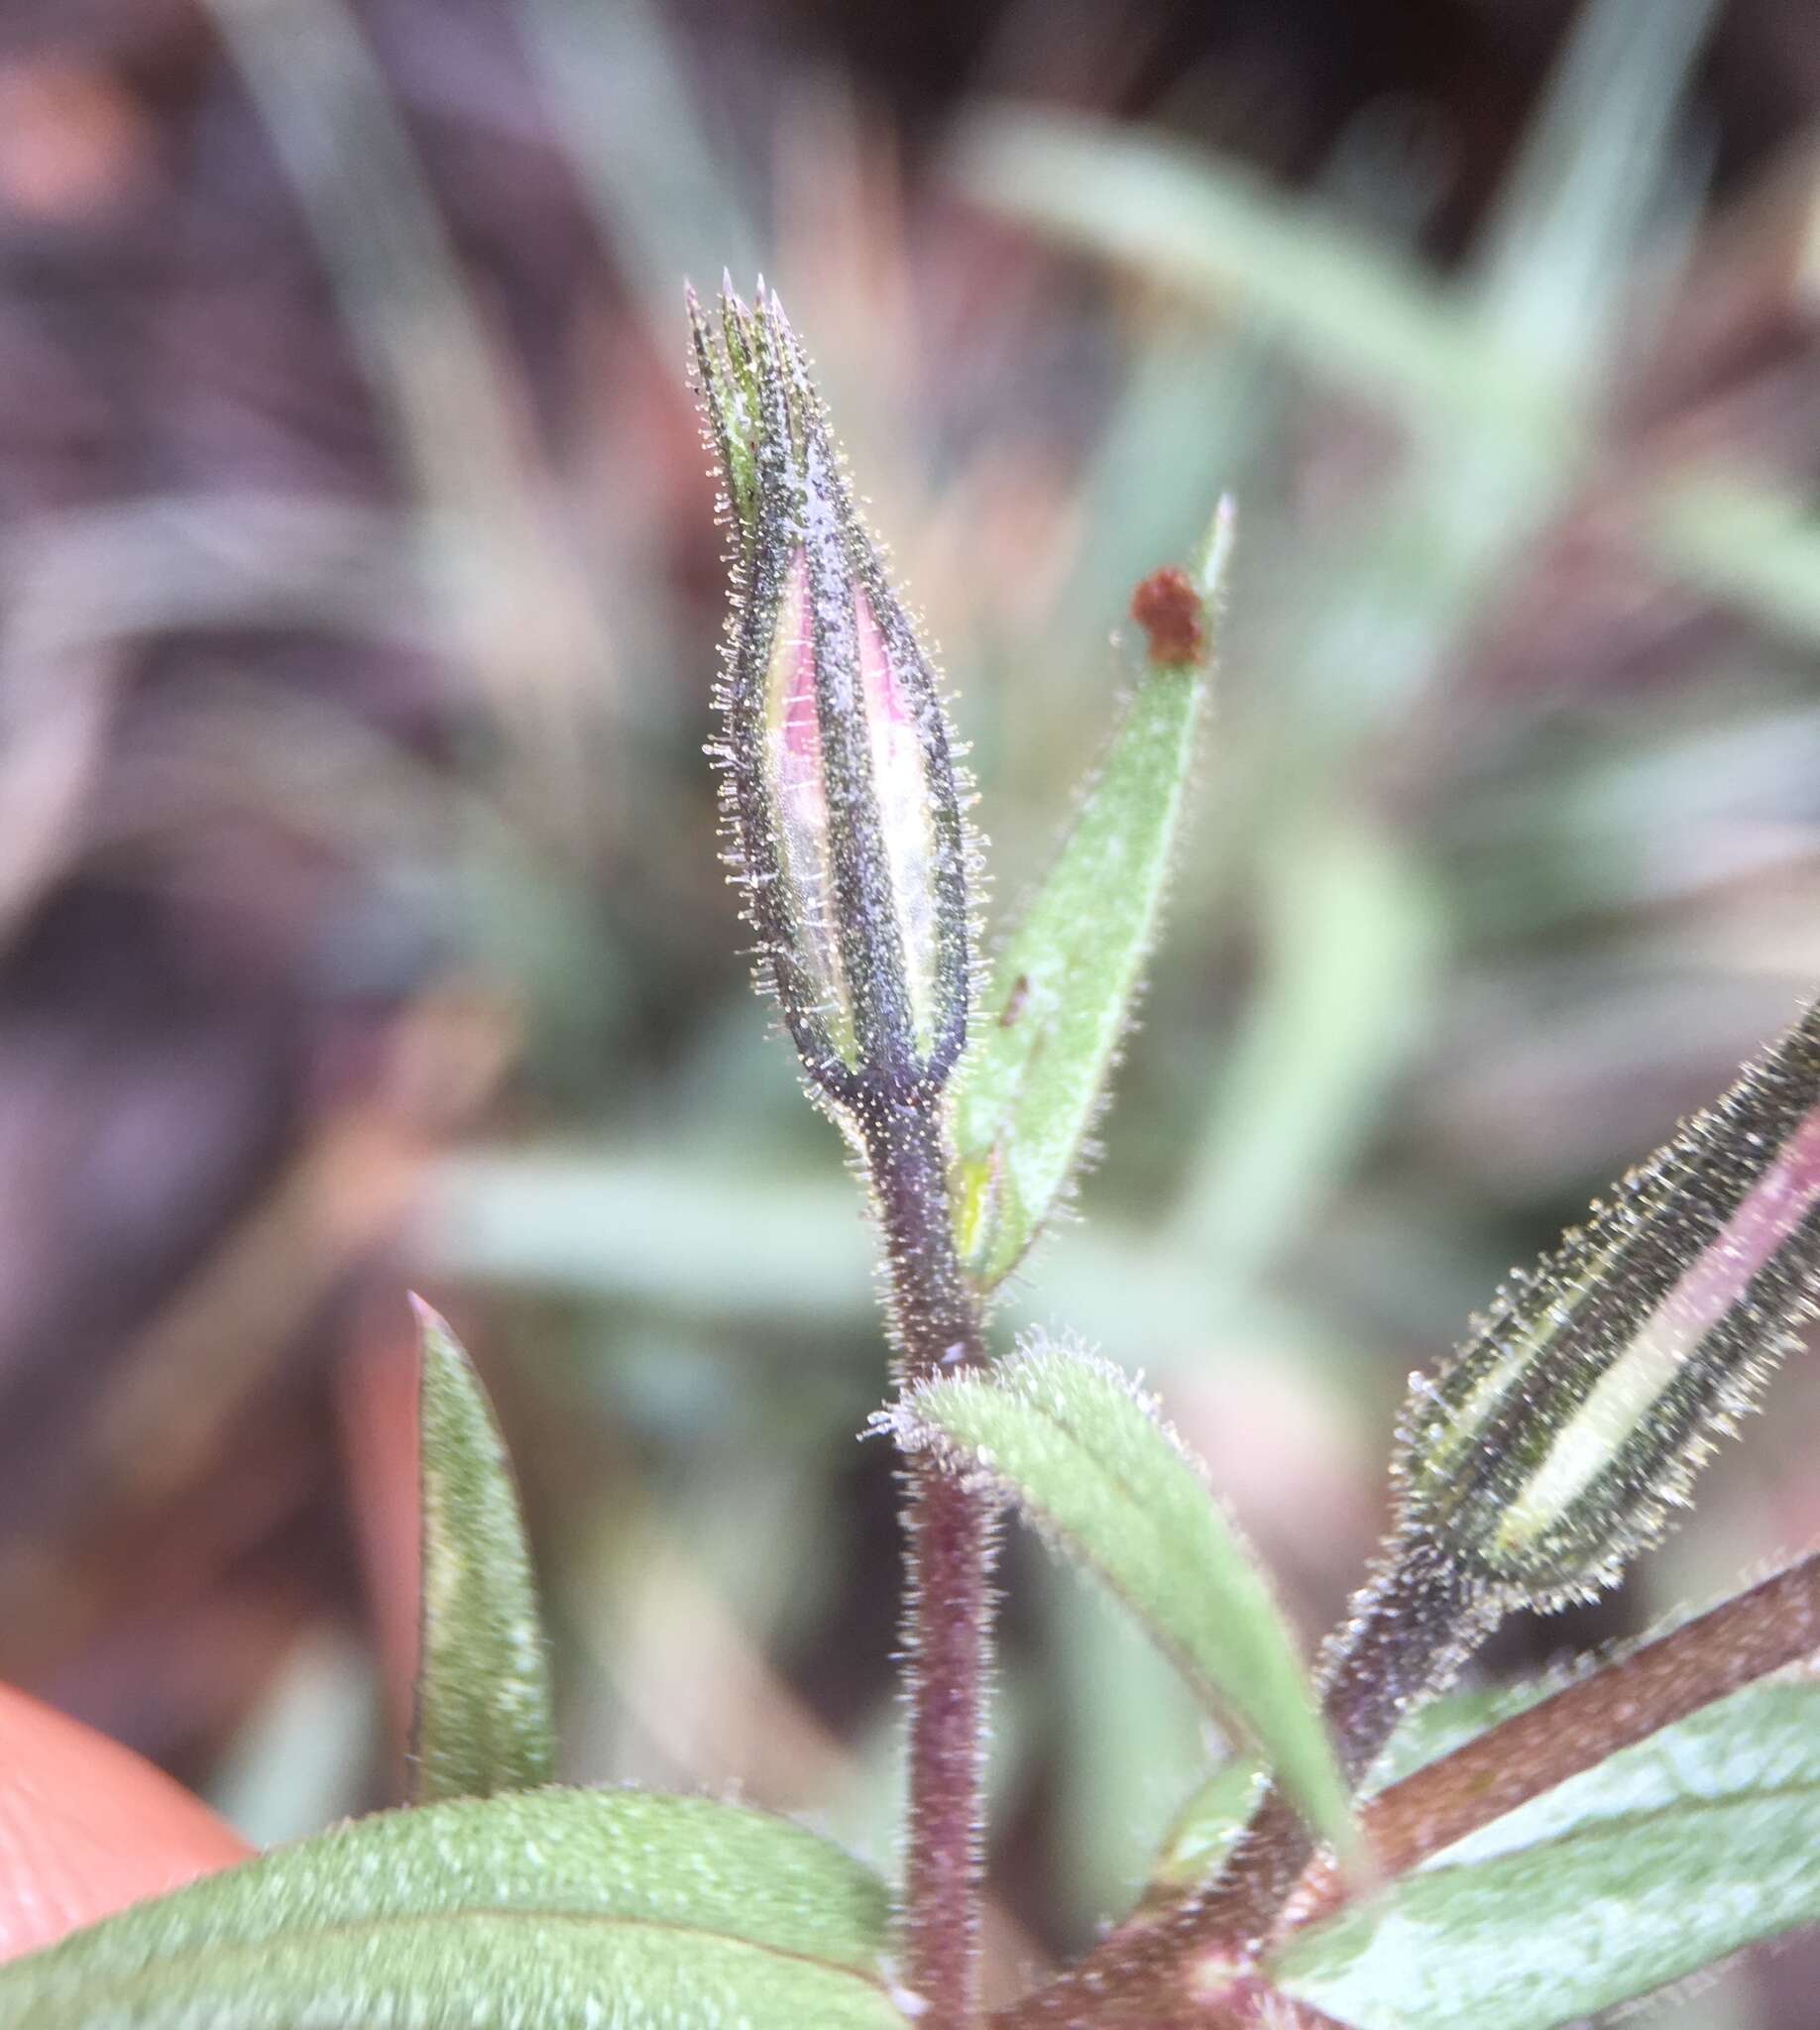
(1553, 1444)
(840, 797)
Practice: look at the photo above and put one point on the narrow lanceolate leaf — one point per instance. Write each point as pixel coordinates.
(1043, 1047)
(616, 1909)
(1664, 1859)
(1083, 1454)
(1553, 1444)
(482, 1700)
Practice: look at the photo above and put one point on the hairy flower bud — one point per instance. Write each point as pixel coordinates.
(1553, 1442)
(838, 795)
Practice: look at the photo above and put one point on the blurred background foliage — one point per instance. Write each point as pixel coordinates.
(359, 599)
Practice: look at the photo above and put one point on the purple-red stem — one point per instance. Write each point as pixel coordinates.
(1733, 1646)
(936, 1329)
(1195, 1967)
(948, 1529)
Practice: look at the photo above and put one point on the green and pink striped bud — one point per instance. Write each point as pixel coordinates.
(1555, 1442)
(839, 793)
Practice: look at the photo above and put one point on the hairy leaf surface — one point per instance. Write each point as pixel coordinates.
(618, 1909)
(483, 1698)
(1045, 1040)
(1667, 1856)
(1081, 1450)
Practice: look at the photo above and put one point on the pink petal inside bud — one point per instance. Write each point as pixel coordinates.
(900, 784)
(1765, 1221)
(1712, 1287)
(797, 772)
(793, 761)
(801, 755)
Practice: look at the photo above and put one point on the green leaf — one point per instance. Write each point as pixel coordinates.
(1753, 546)
(483, 1716)
(1207, 1827)
(1664, 1859)
(1083, 1454)
(1044, 1043)
(616, 1909)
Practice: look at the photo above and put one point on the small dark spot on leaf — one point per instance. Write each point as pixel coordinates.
(1014, 1001)
(1168, 609)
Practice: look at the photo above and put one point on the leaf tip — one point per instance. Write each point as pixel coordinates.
(1215, 552)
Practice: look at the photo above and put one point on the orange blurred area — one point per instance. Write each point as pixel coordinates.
(87, 1827)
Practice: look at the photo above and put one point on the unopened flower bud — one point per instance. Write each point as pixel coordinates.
(1555, 1441)
(839, 796)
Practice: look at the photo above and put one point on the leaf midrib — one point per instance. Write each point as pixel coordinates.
(1629, 1823)
(104, 1984)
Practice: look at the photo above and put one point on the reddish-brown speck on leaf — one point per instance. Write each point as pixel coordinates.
(1168, 609)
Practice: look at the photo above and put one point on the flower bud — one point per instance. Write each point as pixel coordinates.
(1553, 1444)
(838, 797)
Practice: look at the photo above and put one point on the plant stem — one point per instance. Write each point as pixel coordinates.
(1733, 1646)
(936, 1329)
(949, 1542)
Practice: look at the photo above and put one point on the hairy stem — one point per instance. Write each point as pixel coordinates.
(936, 1329)
(949, 1529)
(1733, 1646)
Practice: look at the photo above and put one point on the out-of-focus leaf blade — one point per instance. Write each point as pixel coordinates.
(616, 1908)
(1757, 548)
(1363, 314)
(1664, 1859)
(482, 1707)
(1302, 1082)
(1124, 1727)
(618, 1224)
(1044, 1044)
(617, 85)
(1083, 1454)
(1589, 181)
